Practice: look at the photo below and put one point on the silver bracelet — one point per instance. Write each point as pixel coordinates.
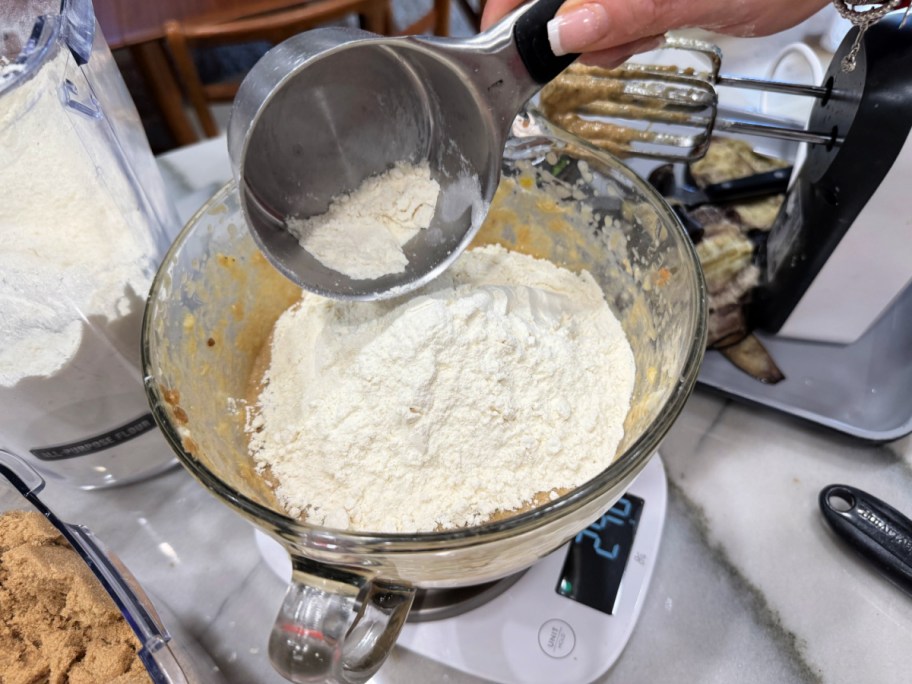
(863, 19)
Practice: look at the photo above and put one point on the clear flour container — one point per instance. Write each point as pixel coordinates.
(84, 221)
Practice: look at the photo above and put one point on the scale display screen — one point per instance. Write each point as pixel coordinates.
(598, 555)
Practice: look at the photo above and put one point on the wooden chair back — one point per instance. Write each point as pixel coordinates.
(274, 27)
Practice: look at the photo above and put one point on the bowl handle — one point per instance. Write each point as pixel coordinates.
(336, 625)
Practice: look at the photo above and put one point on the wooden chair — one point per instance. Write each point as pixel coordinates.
(274, 27)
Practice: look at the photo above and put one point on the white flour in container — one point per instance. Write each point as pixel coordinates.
(362, 233)
(76, 263)
(69, 254)
(506, 378)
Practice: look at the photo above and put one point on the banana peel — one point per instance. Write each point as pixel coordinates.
(752, 357)
(727, 254)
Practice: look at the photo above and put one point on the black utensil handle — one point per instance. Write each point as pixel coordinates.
(531, 37)
(757, 185)
(873, 528)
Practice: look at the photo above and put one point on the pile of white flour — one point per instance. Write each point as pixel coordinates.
(362, 233)
(507, 377)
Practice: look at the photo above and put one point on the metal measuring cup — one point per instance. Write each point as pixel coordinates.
(328, 108)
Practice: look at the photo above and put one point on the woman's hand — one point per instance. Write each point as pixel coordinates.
(609, 31)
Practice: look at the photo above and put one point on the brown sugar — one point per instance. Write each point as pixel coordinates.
(57, 623)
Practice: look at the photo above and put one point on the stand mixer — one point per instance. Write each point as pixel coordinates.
(834, 308)
(837, 253)
(834, 301)
(848, 193)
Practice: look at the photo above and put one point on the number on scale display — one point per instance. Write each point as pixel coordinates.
(595, 562)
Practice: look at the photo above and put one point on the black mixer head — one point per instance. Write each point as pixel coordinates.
(869, 113)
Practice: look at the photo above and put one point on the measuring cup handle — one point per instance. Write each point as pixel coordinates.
(531, 37)
(335, 625)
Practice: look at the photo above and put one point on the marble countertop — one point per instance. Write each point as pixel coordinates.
(749, 586)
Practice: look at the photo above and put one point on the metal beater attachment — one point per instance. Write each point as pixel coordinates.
(662, 111)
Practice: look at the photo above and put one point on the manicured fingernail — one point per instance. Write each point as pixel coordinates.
(577, 29)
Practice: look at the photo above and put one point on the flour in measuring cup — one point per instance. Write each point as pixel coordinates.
(362, 233)
(505, 379)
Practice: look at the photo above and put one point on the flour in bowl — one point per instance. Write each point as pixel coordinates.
(507, 378)
(362, 233)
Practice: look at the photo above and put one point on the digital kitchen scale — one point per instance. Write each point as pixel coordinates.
(567, 618)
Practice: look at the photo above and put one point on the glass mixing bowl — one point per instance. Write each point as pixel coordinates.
(212, 307)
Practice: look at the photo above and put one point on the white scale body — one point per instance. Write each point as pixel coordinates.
(532, 634)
